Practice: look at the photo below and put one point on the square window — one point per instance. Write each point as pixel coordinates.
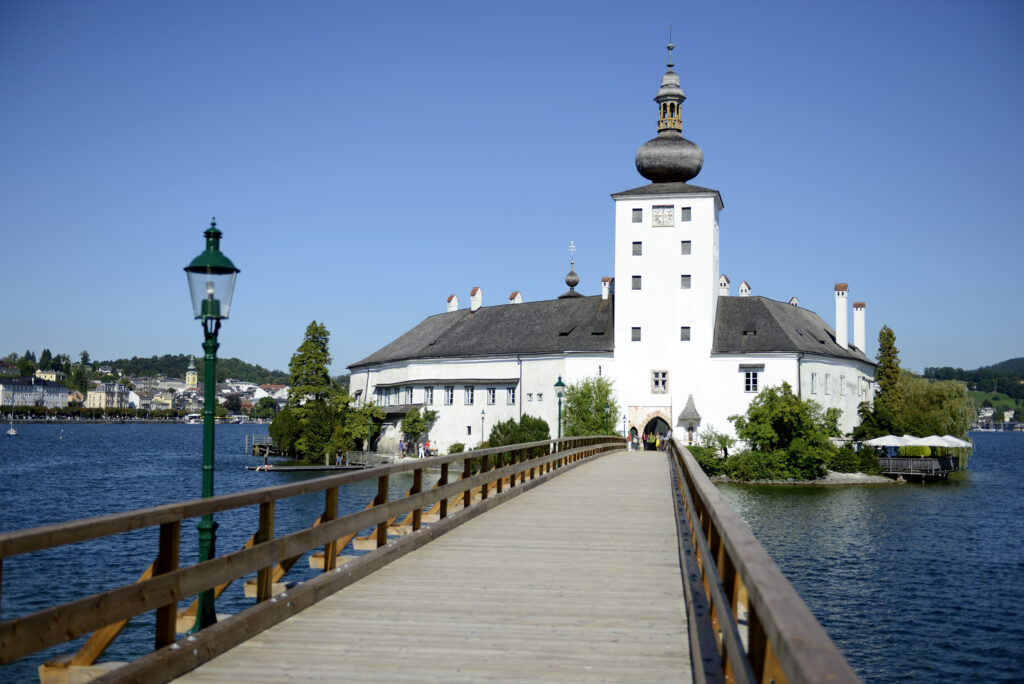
(469, 429)
(468, 389)
(428, 396)
(638, 248)
(659, 381)
(684, 282)
(684, 333)
(449, 395)
(636, 334)
(492, 395)
(510, 396)
(529, 396)
(540, 396)
(686, 247)
(638, 215)
(663, 216)
(636, 282)
(750, 381)
(684, 213)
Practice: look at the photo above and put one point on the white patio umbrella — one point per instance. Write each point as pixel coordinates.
(886, 441)
(957, 442)
(933, 441)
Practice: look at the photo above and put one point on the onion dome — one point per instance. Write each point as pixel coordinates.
(669, 158)
(571, 278)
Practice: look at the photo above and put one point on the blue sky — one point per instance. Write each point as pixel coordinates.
(365, 160)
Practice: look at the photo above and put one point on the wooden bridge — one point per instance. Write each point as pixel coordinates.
(622, 566)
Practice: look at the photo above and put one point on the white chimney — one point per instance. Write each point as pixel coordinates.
(744, 289)
(476, 298)
(858, 326)
(842, 331)
(453, 303)
(794, 301)
(515, 298)
(723, 285)
(607, 287)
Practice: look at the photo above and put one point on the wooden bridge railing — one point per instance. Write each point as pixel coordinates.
(488, 477)
(725, 571)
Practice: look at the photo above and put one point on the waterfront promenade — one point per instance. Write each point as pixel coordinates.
(578, 580)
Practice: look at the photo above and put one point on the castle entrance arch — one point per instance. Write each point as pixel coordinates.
(656, 424)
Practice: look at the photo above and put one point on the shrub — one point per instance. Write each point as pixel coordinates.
(758, 465)
(844, 460)
(708, 461)
(456, 448)
(912, 451)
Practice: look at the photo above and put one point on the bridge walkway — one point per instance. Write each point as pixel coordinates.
(575, 580)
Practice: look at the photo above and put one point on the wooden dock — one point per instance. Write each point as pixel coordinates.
(578, 580)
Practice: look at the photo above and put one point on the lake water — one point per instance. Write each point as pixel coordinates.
(915, 582)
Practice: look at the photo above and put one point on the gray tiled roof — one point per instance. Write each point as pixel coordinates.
(582, 324)
(667, 189)
(758, 324)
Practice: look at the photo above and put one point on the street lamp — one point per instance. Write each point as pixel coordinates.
(623, 424)
(607, 409)
(560, 391)
(482, 414)
(211, 281)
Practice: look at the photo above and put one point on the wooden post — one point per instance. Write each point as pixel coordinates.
(167, 561)
(467, 496)
(417, 487)
(485, 465)
(265, 576)
(330, 513)
(440, 483)
(382, 498)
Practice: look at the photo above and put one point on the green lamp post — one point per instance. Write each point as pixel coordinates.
(211, 281)
(560, 391)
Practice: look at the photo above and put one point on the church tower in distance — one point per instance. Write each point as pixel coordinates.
(666, 273)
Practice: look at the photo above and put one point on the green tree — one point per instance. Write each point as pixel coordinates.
(233, 404)
(308, 367)
(794, 431)
(528, 429)
(285, 430)
(317, 421)
(84, 356)
(26, 367)
(415, 426)
(46, 360)
(265, 408)
(583, 410)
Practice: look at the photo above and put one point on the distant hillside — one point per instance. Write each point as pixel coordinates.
(1014, 366)
(1006, 377)
(174, 366)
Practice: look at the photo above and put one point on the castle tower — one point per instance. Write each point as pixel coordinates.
(191, 376)
(666, 267)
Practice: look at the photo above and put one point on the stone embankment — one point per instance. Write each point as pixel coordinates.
(831, 478)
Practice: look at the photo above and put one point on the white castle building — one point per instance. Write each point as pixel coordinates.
(682, 352)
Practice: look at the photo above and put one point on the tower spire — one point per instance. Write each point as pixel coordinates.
(669, 158)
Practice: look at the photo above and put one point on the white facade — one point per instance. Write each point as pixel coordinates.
(32, 392)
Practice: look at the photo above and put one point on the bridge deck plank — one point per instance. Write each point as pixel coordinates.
(576, 580)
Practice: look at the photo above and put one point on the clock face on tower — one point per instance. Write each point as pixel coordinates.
(663, 216)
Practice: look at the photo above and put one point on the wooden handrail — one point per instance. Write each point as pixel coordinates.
(785, 642)
(163, 587)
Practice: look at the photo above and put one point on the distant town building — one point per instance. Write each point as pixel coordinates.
(108, 395)
(191, 375)
(50, 374)
(32, 392)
